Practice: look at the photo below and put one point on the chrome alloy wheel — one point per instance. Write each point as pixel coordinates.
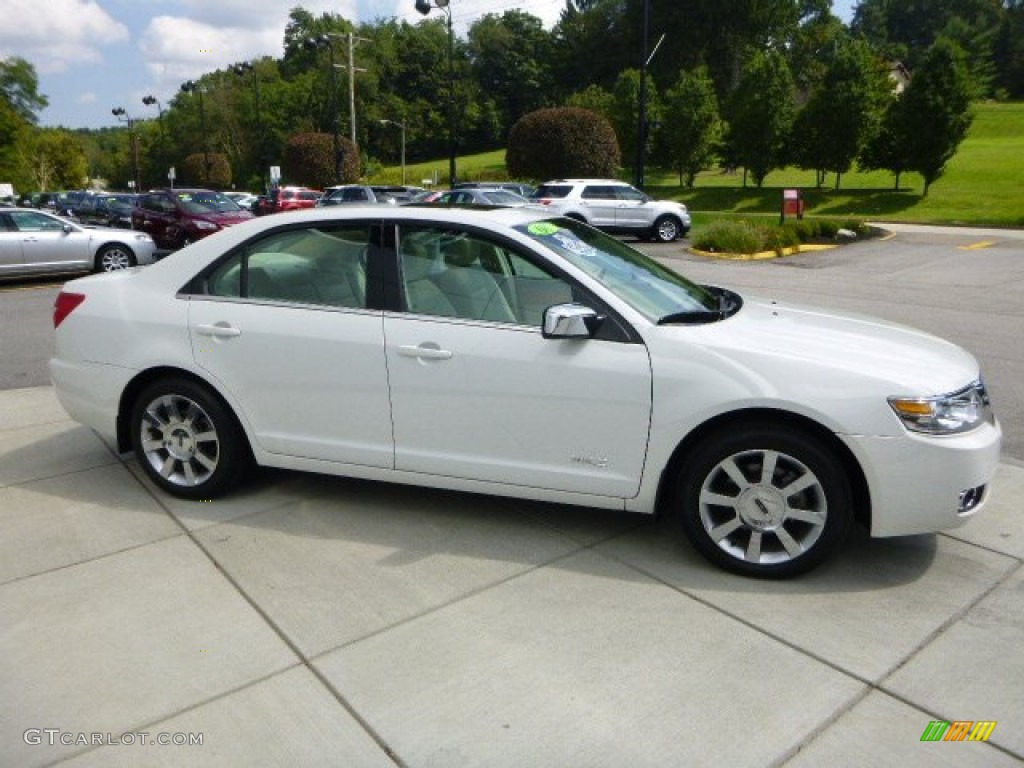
(667, 229)
(179, 440)
(762, 506)
(114, 258)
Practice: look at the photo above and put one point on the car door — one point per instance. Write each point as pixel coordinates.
(478, 393)
(47, 247)
(600, 204)
(11, 258)
(287, 325)
(634, 210)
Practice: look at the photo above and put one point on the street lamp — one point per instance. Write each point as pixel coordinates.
(191, 86)
(327, 41)
(424, 7)
(402, 127)
(241, 70)
(122, 115)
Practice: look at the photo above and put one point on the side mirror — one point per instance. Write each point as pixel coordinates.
(68, 229)
(570, 321)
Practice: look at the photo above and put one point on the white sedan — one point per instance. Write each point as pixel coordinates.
(510, 353)
(34, 243)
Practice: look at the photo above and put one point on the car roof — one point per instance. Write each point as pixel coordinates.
(616, 182)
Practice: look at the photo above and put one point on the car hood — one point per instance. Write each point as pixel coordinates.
(227, 218)
(772, 337)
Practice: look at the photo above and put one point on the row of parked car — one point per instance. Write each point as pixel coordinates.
(173, 218)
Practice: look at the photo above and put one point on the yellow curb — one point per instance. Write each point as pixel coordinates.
(762, 255)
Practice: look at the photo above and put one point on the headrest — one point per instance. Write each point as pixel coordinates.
(459, 253)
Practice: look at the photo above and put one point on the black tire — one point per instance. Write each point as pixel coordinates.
(114, 257)
(760, 530)
(187, 441)
(667, 229)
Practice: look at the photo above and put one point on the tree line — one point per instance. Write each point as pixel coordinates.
(751, 84)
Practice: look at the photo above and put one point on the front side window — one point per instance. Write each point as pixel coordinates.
(654, 291)
(451, 273)
(27, 221)
(315, 265)
(207, 202)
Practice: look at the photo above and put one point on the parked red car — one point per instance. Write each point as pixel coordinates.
(288, 199)
(176, 217)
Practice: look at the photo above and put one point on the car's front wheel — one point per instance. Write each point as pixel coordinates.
(187, 440)
(114, 257)
(667, 229)
(764, 500)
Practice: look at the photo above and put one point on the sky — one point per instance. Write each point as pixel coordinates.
(94, 55)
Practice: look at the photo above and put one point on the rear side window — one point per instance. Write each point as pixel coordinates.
(553, 190)
(325, 266)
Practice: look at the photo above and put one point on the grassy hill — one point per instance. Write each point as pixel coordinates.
(983, 184)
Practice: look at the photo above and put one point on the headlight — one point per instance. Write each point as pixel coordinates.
(950, 414)
(205, 225)
(143, 238)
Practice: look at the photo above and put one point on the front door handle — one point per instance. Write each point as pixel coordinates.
(219, 331)
(425, 352)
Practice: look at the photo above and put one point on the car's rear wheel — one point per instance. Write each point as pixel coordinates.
(114, 257)
(187, 440)
(763, 500)
(667, 229)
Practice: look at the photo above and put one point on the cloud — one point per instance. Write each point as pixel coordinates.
(66, 33)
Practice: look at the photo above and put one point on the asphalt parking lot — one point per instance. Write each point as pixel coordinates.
(310, 620)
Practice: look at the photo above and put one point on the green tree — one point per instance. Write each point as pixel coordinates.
(625, 116)
(760, 114)
(511, 57)
(691, 126)
(562, 142)
(596, 99)
(19, 101)
(843, 114)
(54, 158)
(937, 110)
(889, 148)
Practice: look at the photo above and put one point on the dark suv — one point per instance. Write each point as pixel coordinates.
(176, 217)
(113, 210)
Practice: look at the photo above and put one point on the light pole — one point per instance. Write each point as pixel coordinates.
(424, 7)
(241, 70)
(191, 86)
(151, 101)
(402, 127)
(327, 41)
(122, 115)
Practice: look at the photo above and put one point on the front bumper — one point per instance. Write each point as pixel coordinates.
(921, 484)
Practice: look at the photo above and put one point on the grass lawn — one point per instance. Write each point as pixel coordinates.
(983, 184)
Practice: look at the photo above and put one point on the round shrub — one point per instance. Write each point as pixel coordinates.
(562, 142)
(309, 160)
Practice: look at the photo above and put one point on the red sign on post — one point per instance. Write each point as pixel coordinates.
(792, 204)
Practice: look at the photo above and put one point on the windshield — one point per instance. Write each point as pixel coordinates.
(207, 202)
(654, 291)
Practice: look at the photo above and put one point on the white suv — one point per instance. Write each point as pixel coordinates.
(615, 206)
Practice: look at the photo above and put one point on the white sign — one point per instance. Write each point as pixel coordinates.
(275, 174)
(170, 173)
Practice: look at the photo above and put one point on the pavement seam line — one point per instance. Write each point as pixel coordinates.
(282, 635)
(184, 710)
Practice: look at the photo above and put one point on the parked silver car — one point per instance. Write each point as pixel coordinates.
(615, 206)
(37, 243)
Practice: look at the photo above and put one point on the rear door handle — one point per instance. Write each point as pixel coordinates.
(220, 331)
(425, 353)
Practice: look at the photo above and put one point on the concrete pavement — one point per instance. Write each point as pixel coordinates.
(310, 620)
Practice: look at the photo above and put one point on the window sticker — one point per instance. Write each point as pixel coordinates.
(542, 228)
